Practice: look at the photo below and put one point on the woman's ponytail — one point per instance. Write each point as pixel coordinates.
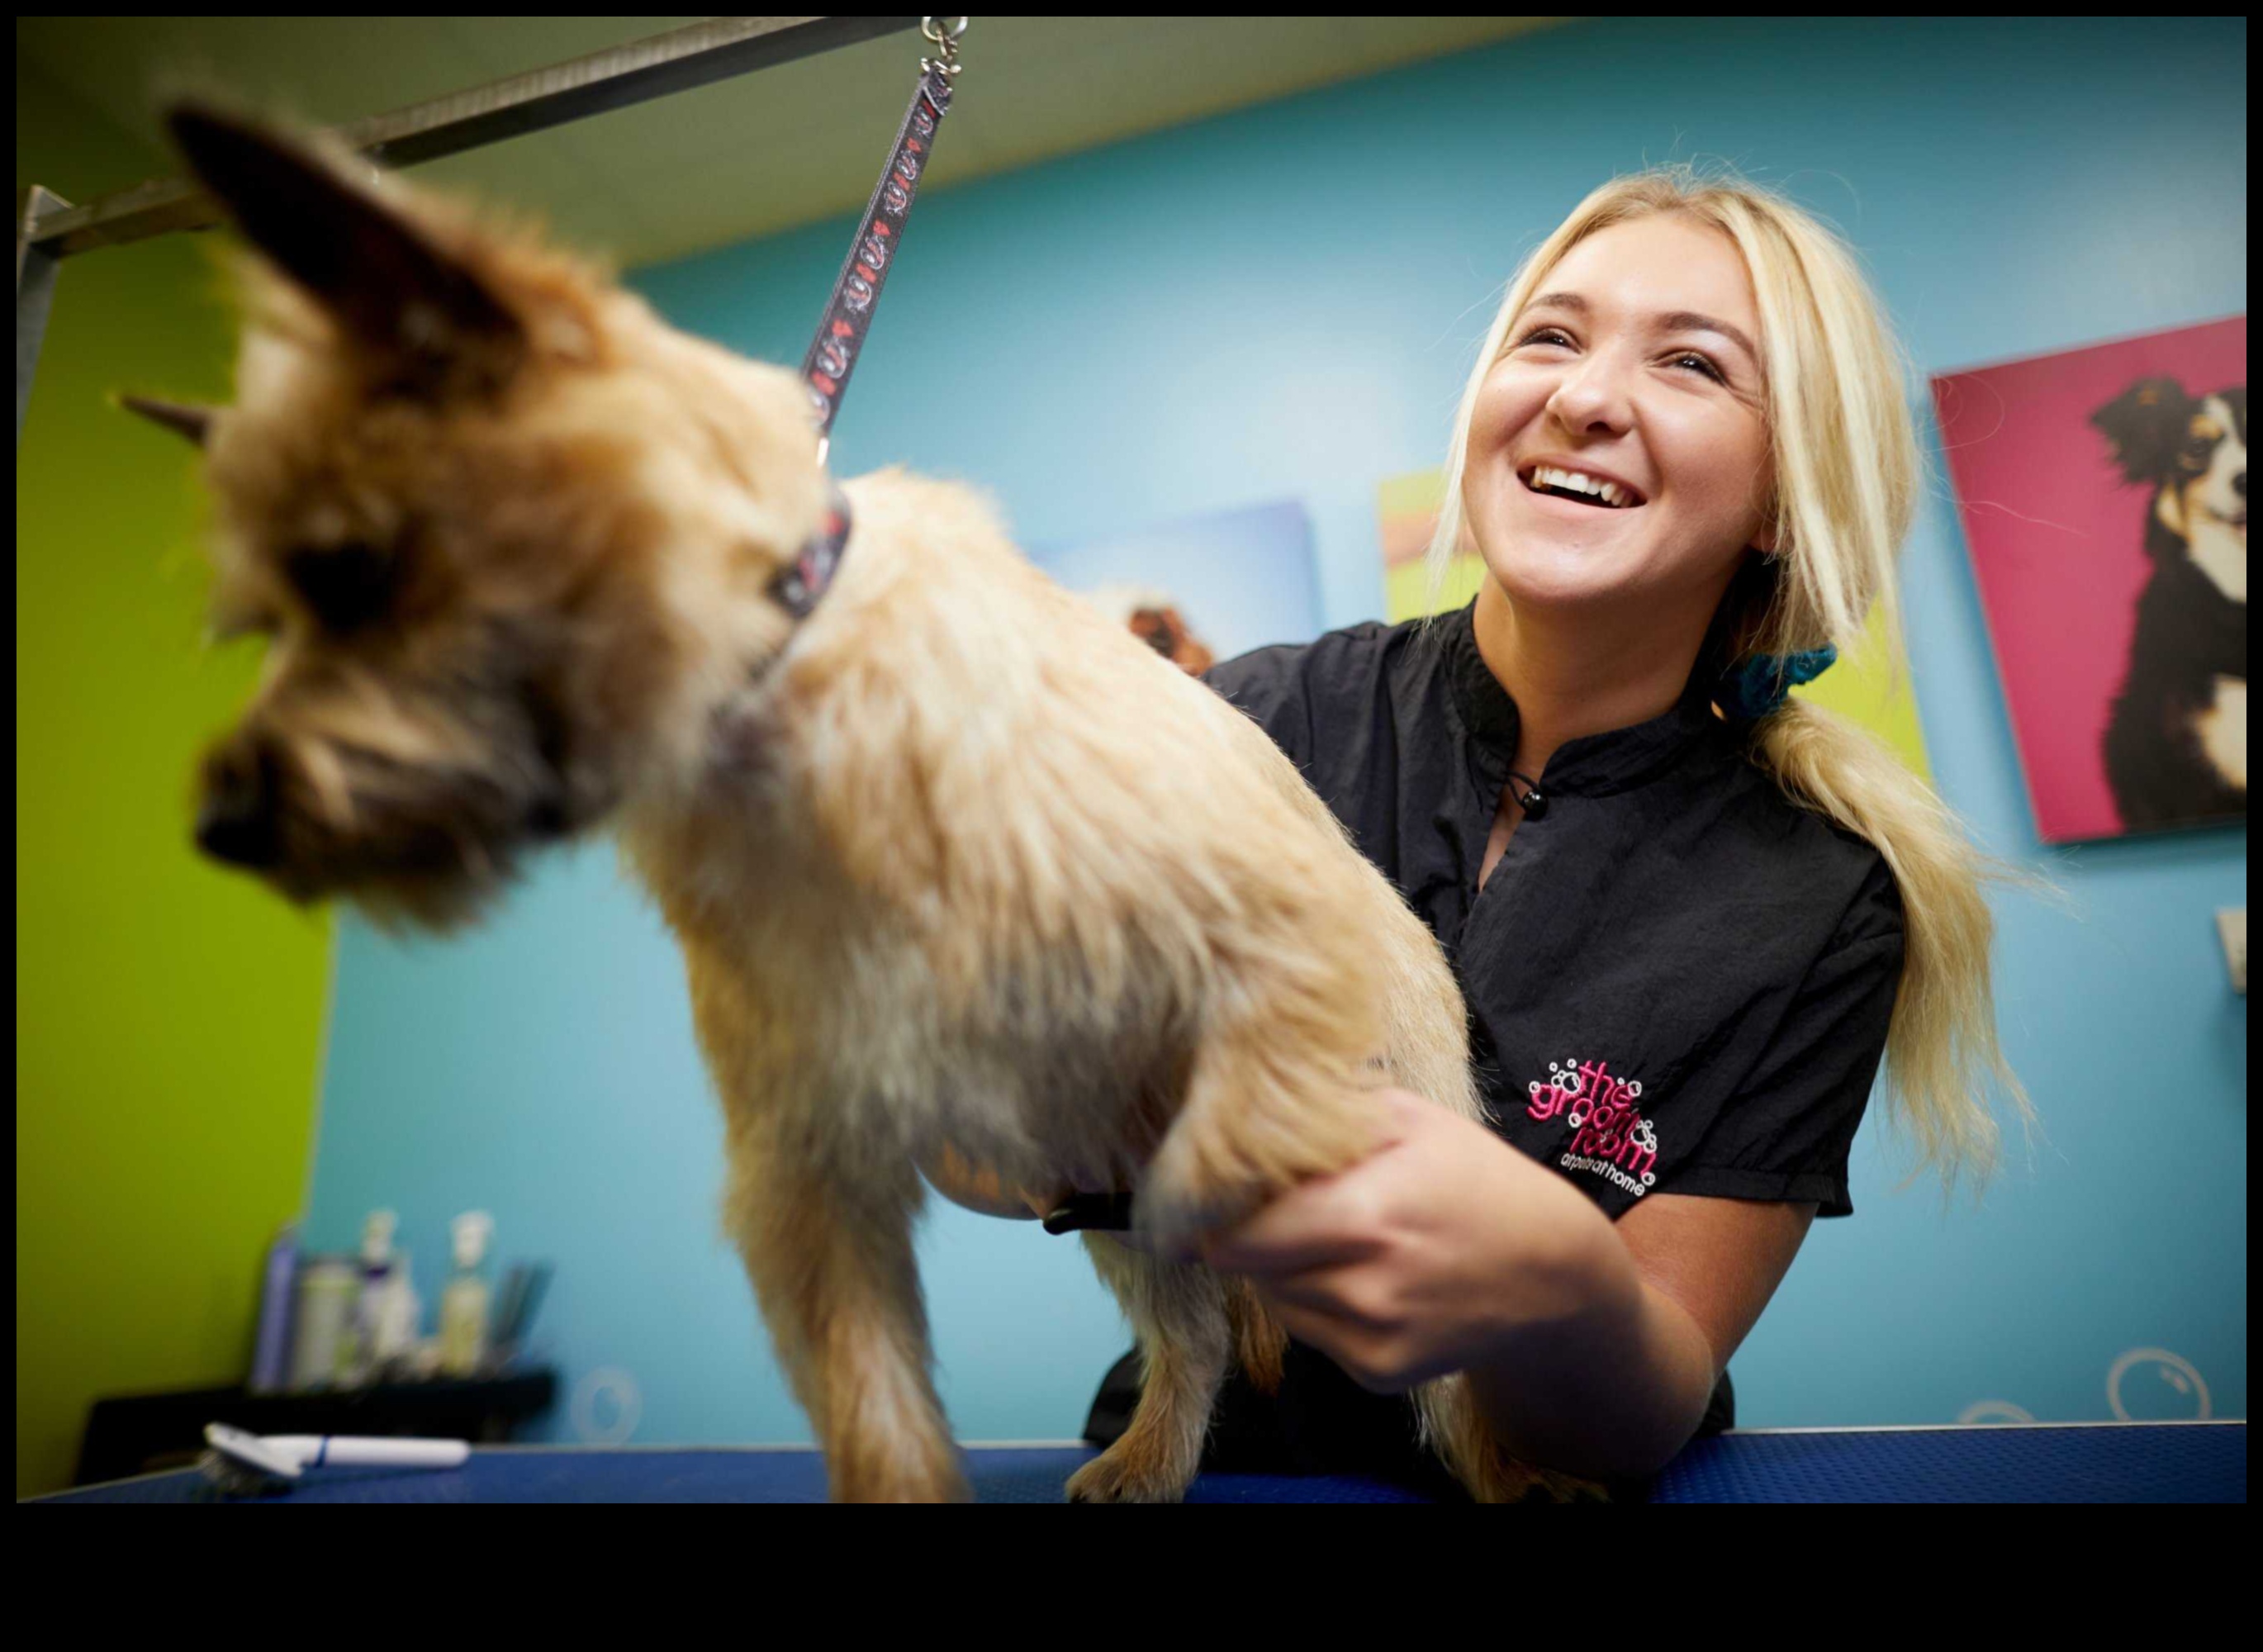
(1942, 1050)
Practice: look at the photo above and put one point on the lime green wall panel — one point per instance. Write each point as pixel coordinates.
(168, 1017)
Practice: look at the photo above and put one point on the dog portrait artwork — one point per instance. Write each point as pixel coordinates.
(964, 872)
(1152, 616)
(2176, 745)
(2104, 495)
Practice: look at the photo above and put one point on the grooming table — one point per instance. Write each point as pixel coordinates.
(2071, 1462)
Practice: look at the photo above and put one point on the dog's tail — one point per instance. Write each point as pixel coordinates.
(1258, 1342)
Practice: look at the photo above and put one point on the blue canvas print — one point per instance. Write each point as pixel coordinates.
(1235, 580)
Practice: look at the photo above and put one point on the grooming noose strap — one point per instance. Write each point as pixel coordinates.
(848, 317)
(832, 357)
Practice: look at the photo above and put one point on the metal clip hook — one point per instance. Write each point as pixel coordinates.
(948, 39)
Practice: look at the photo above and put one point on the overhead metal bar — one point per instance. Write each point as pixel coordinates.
(49, 228)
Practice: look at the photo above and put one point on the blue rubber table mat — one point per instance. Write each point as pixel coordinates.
(2138, 1462)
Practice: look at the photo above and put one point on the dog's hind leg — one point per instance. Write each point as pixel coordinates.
(831, 1256)
(1179, 1315)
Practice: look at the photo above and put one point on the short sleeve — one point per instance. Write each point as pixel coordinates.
(1269, 684)
(1788, 1129)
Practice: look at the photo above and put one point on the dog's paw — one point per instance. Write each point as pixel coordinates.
(1116, 1477)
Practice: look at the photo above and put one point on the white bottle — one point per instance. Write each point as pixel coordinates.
(464, 1304)
(401, 1312)
(323, 1330)
(358, 1359)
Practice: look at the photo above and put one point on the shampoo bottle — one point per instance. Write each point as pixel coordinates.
(464, 1304)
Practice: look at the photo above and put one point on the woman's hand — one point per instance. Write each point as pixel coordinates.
(1420, 1258)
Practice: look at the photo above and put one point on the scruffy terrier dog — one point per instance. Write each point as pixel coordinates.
(963, 874)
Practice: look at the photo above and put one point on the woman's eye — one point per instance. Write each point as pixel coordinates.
(1542, 334)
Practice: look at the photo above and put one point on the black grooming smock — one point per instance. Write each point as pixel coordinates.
(1678, 980)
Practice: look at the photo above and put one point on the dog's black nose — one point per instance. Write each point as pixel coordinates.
(237, 822)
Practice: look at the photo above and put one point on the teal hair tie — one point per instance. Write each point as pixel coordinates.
(1761, 684)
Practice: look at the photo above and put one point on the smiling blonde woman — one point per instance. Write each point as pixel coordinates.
(1691, 916)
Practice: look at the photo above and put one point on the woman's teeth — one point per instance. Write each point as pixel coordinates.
(1545, 478)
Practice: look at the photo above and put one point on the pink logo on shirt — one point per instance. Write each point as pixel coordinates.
(1610, 1137)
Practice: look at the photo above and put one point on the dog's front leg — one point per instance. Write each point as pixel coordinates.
(829, 1247)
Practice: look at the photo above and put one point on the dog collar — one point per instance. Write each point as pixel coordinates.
(804, 580)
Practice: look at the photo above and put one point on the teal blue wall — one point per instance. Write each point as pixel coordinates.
(1283, 302)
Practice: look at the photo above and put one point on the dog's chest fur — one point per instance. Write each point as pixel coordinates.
(911, 888)
(829, 998)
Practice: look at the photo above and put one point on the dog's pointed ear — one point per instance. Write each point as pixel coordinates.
(379, 274)
(195, 423)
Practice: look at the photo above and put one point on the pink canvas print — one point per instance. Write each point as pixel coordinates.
(2104, 495)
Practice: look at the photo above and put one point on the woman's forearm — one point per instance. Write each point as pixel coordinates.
(1613, 1389)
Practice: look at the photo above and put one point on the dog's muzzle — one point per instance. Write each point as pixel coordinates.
(239, 820)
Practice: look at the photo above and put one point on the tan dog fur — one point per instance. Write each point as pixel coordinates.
(961, 871)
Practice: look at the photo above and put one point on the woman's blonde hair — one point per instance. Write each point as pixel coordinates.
(1850, 473)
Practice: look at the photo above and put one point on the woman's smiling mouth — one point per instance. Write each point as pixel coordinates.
(1574, 491)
